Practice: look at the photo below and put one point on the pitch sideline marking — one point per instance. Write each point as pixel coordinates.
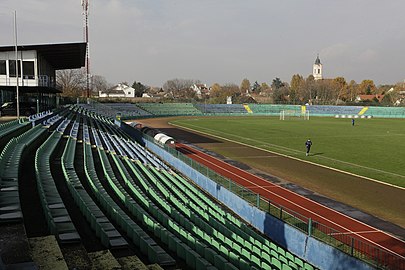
(302, 160)
(297, 152)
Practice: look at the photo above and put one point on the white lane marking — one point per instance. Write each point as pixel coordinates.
(299, 206)
(348, 233)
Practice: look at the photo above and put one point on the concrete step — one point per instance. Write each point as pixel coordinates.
(46, 253)
(104, 260)
(132, 263)
(155, 267)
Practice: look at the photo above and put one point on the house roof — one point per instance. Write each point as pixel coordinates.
(59, 56)
(371, 97)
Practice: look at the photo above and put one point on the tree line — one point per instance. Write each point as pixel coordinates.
(299, 90)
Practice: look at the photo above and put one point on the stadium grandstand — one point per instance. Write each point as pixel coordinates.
(97, 188)
(128, 202)
(144, 110)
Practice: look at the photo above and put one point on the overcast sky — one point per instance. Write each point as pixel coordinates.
(222, 41)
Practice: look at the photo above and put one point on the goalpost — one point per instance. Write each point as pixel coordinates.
(291, 114)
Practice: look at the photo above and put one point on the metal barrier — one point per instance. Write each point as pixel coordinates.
(350, 245)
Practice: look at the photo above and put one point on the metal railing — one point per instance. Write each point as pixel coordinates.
(344, 242)
(41, 80)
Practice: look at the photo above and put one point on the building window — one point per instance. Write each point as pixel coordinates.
(3, 67)
(11, 68)
(28, 70)
(319, 71)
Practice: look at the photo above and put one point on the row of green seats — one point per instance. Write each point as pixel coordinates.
(127, 200)
(188, 228)
(58, 218)
(10, 162)
(238, 227)
(249, 238)
(170, 108)
(220, 216)
(148, 246)
(104, 229)
(218, 236)
(175, 231)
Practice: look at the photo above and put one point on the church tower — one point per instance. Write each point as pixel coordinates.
(317, 69)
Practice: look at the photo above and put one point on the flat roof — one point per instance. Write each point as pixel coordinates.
(60, 56)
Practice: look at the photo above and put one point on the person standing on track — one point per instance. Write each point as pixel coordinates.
(308, 145)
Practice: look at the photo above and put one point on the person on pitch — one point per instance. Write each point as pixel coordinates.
(308, 145)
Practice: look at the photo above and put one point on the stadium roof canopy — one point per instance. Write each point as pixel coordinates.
(60, 56)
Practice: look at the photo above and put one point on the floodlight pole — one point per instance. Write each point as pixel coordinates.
(85, 5)
(16, 65)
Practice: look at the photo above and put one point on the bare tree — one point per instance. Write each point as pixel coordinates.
(99, 83)
(179, 87)
(72, 82)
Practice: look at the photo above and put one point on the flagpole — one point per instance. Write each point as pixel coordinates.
(16, 65)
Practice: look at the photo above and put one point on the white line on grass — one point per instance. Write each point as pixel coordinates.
(295, 152)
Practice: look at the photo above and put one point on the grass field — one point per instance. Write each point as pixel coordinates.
(373, 147)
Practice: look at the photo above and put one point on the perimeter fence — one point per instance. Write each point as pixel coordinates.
(343, 241)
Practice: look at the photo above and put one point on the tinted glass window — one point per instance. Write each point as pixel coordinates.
(11, 68)
(2, 67)
(28, 70)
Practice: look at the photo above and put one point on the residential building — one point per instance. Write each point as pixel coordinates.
(121, 90)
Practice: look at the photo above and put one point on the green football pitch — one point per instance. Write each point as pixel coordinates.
(373, 148)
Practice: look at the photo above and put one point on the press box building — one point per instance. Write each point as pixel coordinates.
(37, 66)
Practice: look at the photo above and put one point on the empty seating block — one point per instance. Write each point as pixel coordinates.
(58, 219)
(185, 219)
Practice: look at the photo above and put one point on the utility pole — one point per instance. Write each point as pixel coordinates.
(16, 66)
(85, 5)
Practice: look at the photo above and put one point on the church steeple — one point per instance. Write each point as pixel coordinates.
(317, 69)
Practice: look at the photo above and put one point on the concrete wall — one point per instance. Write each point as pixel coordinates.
(315, 252)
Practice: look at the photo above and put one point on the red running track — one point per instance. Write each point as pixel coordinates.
(345, 225)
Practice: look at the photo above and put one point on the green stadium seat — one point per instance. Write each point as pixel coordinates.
(255, 260)
(274, 254)
(307, 266)
(299, 262)
(266, 266)
(210, 255)
(244, 264)
(230, 266)
(276, 263)
(293, 265)
(285, 267)
(220, 262)
(191, 258)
